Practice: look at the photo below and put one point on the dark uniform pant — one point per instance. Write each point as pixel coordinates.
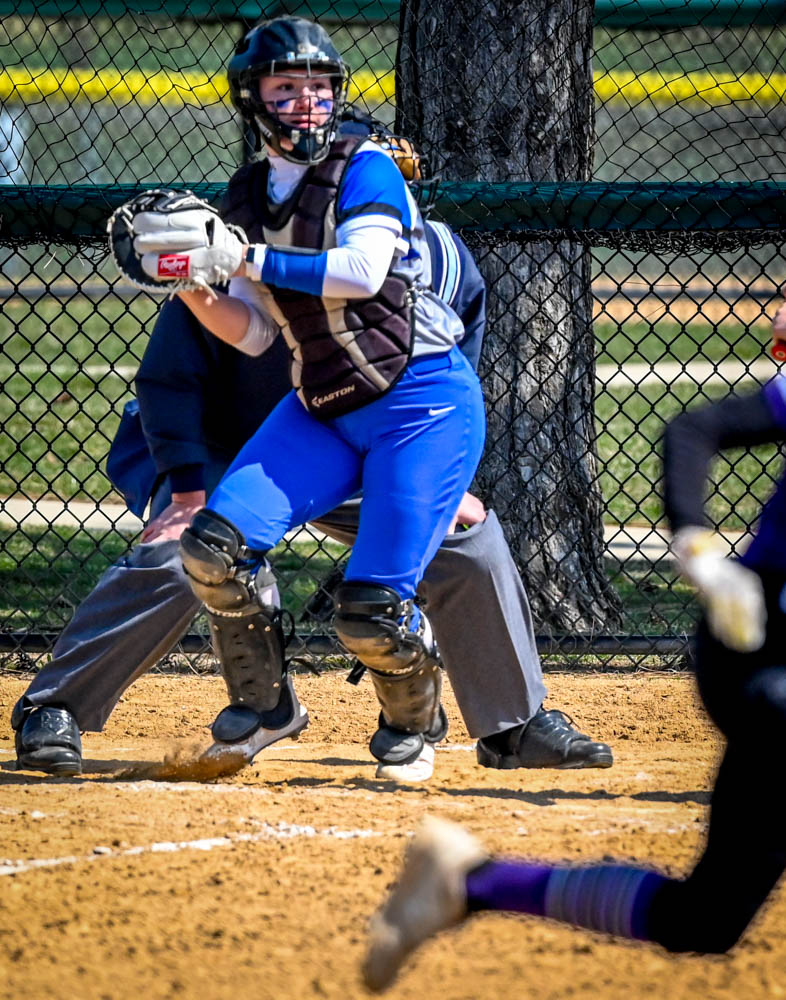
(745, 855)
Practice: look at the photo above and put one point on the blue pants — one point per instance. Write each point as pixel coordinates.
(412, 453)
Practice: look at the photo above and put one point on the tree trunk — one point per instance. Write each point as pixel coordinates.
(502, 91)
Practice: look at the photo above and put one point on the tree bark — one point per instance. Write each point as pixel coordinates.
(502, 91)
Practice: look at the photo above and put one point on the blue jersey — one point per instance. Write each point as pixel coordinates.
(374, 188)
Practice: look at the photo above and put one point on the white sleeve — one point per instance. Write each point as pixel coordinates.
(262, 330)
(356, 268)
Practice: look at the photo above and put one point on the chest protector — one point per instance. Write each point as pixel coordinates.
(345, 353)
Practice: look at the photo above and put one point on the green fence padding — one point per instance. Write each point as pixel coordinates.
(32, 213)
(612, 13)
(684, 13)
(202, 10)
(610, 207)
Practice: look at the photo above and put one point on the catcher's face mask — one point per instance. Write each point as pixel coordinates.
(299, 105)
(299, 52)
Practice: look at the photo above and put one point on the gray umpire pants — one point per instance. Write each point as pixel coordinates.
(143, 604)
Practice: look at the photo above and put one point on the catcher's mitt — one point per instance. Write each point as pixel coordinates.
(167, 241)
(408, 160)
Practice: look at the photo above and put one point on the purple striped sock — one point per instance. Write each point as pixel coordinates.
(508, 885)
(615, 899)
(610, 898)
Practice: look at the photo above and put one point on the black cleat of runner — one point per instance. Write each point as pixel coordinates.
(48, 740)
(547, 740)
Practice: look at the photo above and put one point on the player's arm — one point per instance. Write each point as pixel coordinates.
(732, 594)
(238, 317)
(694, 438)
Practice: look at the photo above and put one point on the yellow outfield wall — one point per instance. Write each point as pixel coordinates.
(29, 86)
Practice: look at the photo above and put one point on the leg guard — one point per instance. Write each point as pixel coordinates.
(373, 623)
(247, 635)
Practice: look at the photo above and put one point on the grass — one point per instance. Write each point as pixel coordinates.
(61, 403)
(630, 424)
(640, 342)
(75, 331)
(655, 599)
(728, 50)
(46, 572)
(67, 367)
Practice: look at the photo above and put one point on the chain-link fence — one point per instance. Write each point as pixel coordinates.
(626, 280)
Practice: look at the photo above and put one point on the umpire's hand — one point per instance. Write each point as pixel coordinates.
(172, 522)
(470, 511)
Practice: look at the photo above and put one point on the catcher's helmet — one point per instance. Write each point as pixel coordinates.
(278, 47)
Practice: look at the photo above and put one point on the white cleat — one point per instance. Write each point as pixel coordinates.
(430, 896)
(421, 769)
(258, 740)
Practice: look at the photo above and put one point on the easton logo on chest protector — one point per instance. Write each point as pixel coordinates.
(345, 353)
(321, 400)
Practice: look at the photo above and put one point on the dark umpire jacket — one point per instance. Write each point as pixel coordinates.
(199, 399)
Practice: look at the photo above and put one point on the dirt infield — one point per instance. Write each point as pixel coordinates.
(260, 885)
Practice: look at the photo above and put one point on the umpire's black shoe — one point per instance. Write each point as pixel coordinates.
(47, 739)
(547, 740)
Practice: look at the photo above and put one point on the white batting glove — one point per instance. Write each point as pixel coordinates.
(732, 594)
(194, 246)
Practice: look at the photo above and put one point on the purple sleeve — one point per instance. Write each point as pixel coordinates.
(694, 438)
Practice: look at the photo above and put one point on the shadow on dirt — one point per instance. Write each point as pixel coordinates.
(550, 796)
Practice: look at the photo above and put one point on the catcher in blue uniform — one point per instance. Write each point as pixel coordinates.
(199, 400)
(333, 256)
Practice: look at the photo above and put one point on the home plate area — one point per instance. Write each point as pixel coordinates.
(136, 879)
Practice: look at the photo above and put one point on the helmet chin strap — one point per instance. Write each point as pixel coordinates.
(306, 143)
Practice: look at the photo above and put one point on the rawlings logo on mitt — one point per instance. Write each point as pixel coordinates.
(169, 241)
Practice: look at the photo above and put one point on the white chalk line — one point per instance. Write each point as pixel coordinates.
(281, 831)
(648, 826)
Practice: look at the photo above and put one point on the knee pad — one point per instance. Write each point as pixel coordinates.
(373, 623)
(224, 573)
(247, 635)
